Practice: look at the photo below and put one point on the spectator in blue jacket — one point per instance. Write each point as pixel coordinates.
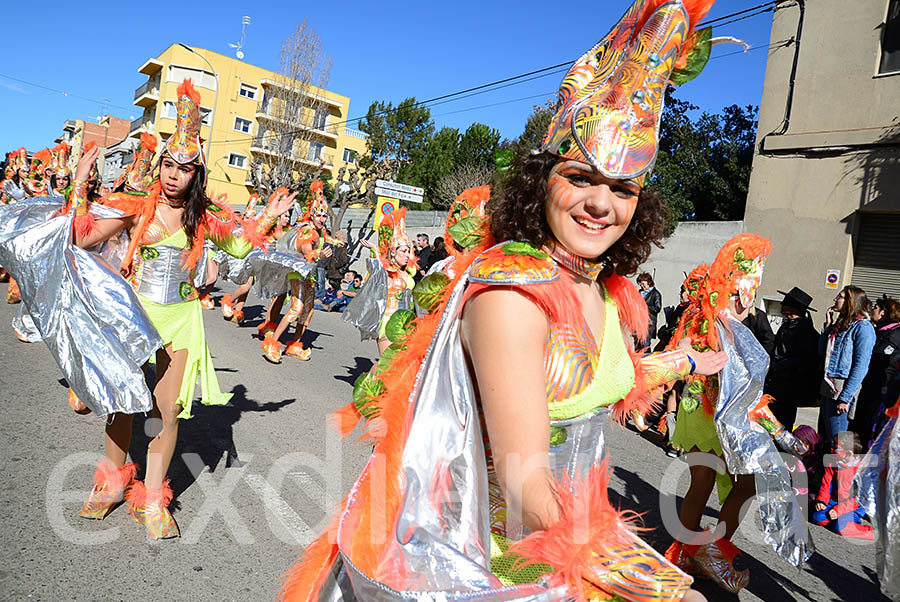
(846, 342)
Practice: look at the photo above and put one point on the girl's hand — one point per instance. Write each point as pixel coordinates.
(367, 244)
(842, 407)
(706, 363)
(83, 169)
(280, 204)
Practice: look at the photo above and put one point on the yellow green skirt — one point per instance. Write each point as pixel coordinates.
(697, 429)
(181, 325)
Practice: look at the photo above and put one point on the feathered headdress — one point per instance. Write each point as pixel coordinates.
(184, 144)
(466, 221)
(18, 159)
(59, 161)
(315, 202)
(392, 236)
(736, 271)
(36, 185)
(611, 100)
(138, 178)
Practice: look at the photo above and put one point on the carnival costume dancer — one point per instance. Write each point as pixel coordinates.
(390, 280)
(877, 485)
(13, 186)
(720, 415)
(103, 331)
(528, 343)
(307, 239)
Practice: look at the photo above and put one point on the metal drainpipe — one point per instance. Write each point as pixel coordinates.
(786, 121)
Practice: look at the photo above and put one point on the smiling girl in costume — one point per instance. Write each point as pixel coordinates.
(488, 477)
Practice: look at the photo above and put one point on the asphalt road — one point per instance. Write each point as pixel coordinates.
(256, 479)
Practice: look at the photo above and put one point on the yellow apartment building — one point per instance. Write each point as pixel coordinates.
(237, 110)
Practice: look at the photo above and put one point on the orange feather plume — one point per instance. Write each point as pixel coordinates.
(303, 581)
(148, 142)
(187, 87)
(588, 527)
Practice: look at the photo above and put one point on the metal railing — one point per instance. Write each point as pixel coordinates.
(141, 121)
(150, 86)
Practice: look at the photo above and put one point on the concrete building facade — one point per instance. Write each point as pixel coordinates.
(240, 93)
(825, 184)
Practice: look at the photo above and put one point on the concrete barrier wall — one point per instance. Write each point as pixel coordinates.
(691, 244)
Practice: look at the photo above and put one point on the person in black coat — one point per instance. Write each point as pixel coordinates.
(653, 299)
(883, 365)
(793, 375)
(758, 323)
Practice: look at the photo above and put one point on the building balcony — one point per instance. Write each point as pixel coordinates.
(329, 132)
(316, 97)
(148, 94)
(260, 146)
(151, 66)
(355, 134)
(144, 123)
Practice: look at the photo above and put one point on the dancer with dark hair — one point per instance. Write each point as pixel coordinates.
(167, 220)
(488, 479)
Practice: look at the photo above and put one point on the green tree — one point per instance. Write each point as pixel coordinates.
(535, 127)
(432, 165)
(397, 135)
(478, 146)
(703, 165)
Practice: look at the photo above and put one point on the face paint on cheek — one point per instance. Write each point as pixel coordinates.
(560, 194)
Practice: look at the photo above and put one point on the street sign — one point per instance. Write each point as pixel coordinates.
(396, 194)
(832, 279)
(391, 185)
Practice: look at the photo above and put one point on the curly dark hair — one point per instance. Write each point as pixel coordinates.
(516, 209)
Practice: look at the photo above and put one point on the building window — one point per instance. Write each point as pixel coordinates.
(242, 125)
(169, 112)
(198, 77)
(236, 160)
(248, 91)
(349, 155)
(315, 151)
(890, 40)
(319, 119)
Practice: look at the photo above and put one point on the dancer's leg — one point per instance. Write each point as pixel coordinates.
(703, 479)
(170, 367)
(118, 438)
(293, 313)
(307, 305)
(240, 295)
(744, 488)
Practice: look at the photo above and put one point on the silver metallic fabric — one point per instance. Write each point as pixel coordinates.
(87, 314)
(748, 448)
(365, 309)
(271, 269)
(444, 544)
(163, 278)
(877, 485)
(24, 326)
(235, 270)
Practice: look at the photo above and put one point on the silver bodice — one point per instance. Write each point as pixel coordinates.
(162, 277)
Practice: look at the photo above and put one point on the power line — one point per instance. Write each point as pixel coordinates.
(452, 96)
(103, 102)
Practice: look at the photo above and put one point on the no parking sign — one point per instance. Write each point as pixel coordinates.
(832, 279)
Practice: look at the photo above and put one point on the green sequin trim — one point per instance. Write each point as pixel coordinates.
(523, 248)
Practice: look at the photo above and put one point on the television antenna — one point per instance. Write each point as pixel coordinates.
(245, 21)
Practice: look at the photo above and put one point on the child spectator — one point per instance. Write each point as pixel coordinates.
(835, 506)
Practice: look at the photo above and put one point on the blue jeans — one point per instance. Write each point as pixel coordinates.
(321, 281)
(820, 517)
(830, 422)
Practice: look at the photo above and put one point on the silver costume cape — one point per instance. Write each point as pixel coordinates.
(272, 266)
(87, 314)
(877, 488)
(444, 547)
(237, 271)
(749, 449)
(366, 309)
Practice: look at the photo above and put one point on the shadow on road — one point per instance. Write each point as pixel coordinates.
(362, 365)
(209, 435)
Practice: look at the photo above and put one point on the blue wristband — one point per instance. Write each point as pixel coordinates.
(693, 363)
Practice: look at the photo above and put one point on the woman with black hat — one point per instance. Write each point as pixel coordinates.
(793, 373)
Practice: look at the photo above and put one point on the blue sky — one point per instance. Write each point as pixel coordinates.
(380, 50)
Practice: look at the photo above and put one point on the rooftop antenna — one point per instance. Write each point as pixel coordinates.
(245, 21)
